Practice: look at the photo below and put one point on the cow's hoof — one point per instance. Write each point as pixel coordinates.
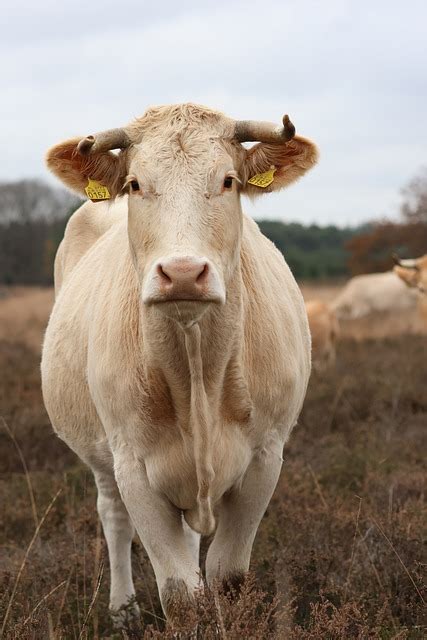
(178, 604)
(127, 617)
(232, 584)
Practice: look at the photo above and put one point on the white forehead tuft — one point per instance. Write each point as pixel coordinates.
(183, 139)
(181, 119)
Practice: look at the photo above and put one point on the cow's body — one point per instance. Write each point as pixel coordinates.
(182, 406)
(373, 293)
(324, 331)
(94, 326)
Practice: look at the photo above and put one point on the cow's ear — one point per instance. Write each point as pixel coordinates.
(409, 276)
(270, 167)
(75, 170)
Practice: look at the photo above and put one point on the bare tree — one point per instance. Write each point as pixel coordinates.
(32, 220)
(31, 200)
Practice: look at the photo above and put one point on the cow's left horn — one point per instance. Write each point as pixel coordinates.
(254, 131)
(104, 141)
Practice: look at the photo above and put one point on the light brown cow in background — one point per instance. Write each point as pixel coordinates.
(413, 272)
(324, 331)
(177, 355)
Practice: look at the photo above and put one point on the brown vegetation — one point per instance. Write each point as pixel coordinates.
(23, 315)
(338, 554)
(372, 251)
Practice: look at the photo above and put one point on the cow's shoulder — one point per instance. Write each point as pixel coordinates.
(85, 227)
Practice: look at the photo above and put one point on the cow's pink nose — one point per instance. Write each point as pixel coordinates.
(179, 278)
(182, 273)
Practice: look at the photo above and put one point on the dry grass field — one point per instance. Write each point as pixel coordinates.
(339, 553)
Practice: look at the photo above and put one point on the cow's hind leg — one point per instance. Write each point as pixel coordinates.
(240, 513)
(118, 531)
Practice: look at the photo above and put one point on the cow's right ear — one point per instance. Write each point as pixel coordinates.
(75, 170)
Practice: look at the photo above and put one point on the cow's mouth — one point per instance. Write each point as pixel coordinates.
(183, 298)
(185, 311)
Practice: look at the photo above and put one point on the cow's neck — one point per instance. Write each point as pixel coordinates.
(167, 367)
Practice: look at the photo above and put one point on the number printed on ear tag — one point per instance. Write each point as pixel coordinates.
(96, 191)
(263, 179)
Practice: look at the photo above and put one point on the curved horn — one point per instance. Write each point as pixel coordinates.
(104, 141)
(407, 264)
(254, 131)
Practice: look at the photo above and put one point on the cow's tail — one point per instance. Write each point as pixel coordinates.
(202, 518)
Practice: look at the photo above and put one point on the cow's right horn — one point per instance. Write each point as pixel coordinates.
(104, 141)
(255, 131)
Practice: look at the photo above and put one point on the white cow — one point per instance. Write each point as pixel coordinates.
(373, 293)
(166, 366)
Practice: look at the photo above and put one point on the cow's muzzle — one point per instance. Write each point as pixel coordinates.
(183, 279)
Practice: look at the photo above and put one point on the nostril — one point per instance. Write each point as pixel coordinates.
(163, 275)
(203, 274)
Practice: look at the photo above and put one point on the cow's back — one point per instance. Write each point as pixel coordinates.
(373, 292)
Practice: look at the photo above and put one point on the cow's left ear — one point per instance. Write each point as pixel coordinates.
(283, 163)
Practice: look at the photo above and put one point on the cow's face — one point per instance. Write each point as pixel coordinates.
(184, 169)
(185, 220)
(413, 273)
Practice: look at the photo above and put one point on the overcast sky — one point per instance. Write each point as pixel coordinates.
(351, 74)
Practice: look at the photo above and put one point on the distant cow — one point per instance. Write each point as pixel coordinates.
(373, 293)
(177, 355)
(414, 274)
(324, 331)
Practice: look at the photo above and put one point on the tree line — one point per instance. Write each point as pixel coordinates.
(33, 217)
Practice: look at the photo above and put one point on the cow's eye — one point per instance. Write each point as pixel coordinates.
(228, 182)
(134, 185)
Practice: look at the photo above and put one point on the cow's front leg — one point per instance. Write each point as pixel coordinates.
(160, 527)
(118, 531)
(193, 541)
(239, 516)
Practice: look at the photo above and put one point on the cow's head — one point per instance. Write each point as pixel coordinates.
(413, 272)
(184, 168)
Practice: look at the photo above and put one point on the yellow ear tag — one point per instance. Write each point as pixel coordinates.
(96, 191)
(263, 179)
